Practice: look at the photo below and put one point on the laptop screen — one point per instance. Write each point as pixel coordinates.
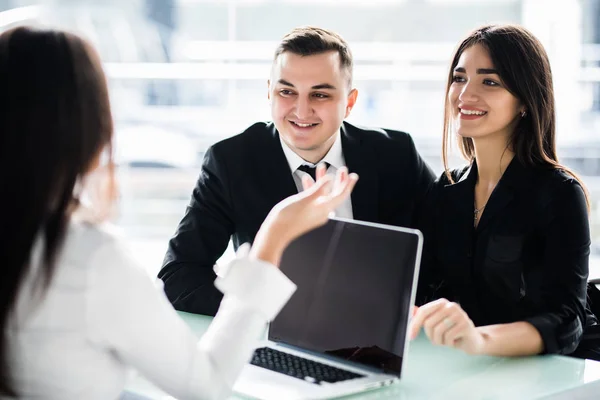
(355, 282)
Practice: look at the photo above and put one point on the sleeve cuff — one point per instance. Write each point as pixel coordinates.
(557, 338)
(257, 284)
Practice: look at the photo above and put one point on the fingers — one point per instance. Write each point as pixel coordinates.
(322, 187)
(344, 185)
(307, 182)
(340, 178)
(438, 325)
(423, 313)
(454, 334)
(349, 186)
(335, 194)
(321, 171)
(414, 310)
(445, 323)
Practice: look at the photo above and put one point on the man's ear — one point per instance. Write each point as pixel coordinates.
(268, 89)
(351, 101)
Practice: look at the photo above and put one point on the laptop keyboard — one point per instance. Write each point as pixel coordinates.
(298, 367)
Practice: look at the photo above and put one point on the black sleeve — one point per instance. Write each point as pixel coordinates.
(201, 238)
(566, 257)
(427, 220)
(423, 180)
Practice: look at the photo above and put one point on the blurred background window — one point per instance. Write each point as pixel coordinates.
(184, 74)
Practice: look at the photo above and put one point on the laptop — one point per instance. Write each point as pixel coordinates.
(345, 329)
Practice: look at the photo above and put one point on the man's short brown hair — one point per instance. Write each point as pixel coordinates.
(310, 40)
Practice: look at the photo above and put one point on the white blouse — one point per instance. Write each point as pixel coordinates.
(102, 314)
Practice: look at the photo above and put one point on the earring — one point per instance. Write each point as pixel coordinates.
(523, 114)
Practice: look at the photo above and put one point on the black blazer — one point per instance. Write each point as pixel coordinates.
(244, 176)
(527, 260)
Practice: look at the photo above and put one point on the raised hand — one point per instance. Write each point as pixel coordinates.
(301, 213)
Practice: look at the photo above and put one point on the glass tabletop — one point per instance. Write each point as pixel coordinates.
(433, 372)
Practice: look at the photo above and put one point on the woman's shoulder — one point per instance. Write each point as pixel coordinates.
(94, 234)
(86, 242)
(556, 188)
(552, 180)
(562, 178)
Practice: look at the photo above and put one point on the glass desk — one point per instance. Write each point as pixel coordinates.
(432, 372)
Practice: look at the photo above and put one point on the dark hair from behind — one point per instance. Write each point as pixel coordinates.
(55, 121)
(523, 66)
(310, 40)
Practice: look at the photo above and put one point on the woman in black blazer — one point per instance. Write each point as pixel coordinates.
(507, 238)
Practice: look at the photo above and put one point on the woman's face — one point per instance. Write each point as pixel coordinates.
(480, 105)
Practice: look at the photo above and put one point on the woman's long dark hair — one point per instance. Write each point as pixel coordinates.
(524, 68)
(55, 121)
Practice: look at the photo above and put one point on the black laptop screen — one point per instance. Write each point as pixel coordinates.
(354, 293)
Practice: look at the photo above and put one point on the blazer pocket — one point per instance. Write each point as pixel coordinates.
(505, 248)
(503, 268)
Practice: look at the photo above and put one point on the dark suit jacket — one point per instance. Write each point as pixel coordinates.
(527, 260)
(244, 176)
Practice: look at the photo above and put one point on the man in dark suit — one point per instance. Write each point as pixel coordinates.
(244, 176)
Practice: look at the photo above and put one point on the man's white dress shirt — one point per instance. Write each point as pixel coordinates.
(335, 159)
(103, 314)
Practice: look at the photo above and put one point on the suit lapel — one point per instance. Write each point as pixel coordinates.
(274, 169)
(360, 160)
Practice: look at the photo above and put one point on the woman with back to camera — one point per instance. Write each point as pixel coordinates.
(75, 311)
(507, 238)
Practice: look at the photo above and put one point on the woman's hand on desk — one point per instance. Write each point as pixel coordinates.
(302, 212)
(447, 324)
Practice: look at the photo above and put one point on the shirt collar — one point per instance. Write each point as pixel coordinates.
(335, 156)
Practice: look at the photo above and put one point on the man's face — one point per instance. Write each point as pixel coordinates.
(310, 97)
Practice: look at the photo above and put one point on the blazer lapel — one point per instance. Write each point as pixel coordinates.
(456, 228)
(462, 194)
(515, 176)
(276, 178)
(459, 197)
(359, 160)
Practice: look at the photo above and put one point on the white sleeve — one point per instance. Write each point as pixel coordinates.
(128, 315)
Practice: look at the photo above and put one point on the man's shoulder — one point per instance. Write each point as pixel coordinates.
(378, 136)
(255, 135)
